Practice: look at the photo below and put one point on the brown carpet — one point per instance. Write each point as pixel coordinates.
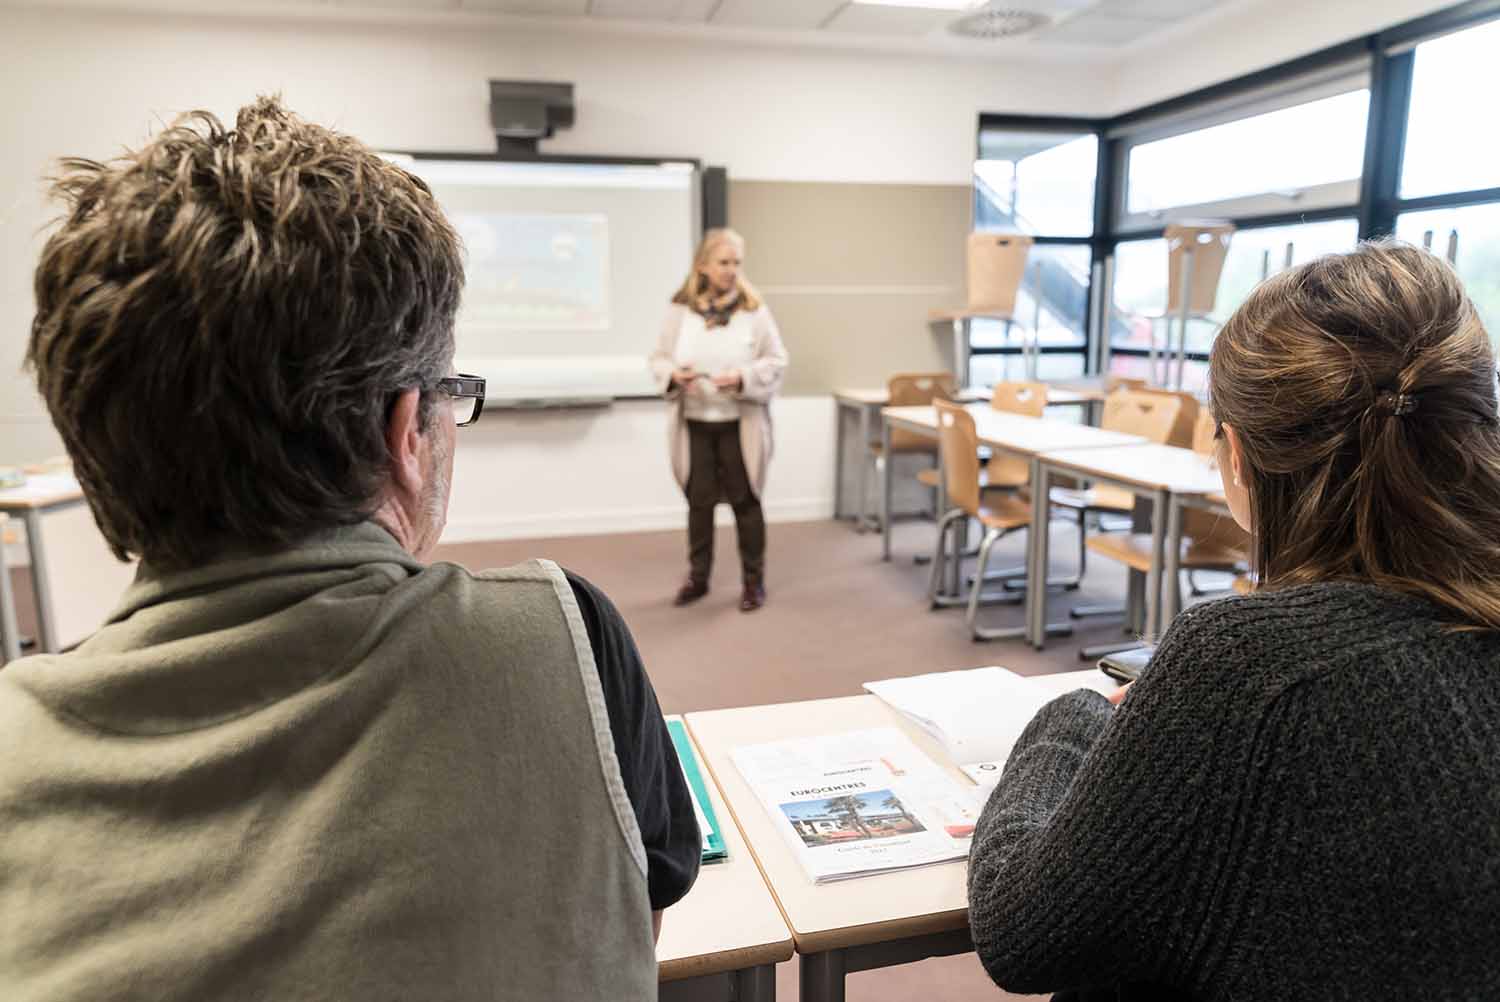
(836, 617)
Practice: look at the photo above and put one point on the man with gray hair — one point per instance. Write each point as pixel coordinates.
(300, 761)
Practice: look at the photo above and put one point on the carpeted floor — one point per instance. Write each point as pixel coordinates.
(837, 617)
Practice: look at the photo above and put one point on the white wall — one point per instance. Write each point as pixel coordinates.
(80, 82)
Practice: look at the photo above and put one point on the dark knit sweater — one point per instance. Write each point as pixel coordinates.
(1300, 799)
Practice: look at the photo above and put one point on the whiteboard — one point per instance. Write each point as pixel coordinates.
(570, 268)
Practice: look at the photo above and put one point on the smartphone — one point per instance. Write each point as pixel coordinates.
(1126, 666)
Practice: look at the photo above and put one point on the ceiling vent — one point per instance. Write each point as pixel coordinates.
(998, 22)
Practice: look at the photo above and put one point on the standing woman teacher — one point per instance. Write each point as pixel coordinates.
(719, 362)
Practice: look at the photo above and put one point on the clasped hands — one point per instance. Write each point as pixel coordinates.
(687, 377)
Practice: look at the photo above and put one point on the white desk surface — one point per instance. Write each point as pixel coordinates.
(879, 397)
(874, 909)
(728, 921)
(1151, 466)
(41, 491)
(1015, 433)
(1057, 396)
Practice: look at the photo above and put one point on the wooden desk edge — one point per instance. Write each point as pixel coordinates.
(723, 963)
(49, 501)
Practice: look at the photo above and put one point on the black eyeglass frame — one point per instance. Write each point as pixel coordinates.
(464, 386)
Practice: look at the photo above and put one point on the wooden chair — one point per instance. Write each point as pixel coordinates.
(1210, 542)
(999, 514)
(1153, 416)
(1004, 472)
(911, 389)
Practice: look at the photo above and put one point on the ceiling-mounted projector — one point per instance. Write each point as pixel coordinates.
(522, 112)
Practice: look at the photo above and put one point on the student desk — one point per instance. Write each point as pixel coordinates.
(1157, 472)
(1013, 433)
(724, 940)
(41, 495)
(10, 633)
(863, 923)
(861, 407)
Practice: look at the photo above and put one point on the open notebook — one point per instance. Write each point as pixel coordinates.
(976, 715)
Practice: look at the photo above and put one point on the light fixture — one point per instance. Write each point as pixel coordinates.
(954, 5)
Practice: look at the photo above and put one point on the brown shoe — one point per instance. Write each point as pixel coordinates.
(691, 591)
(753, 597)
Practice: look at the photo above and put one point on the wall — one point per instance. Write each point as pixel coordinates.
(79, 82)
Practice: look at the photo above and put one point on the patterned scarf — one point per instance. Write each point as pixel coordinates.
(716, 310)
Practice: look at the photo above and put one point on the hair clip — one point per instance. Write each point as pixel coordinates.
(1399, 404)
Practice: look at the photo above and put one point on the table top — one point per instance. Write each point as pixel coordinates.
(874, 909)
(1151, 466)
(951, 313)
(42, 491)
(729, 920)
(1016, 433)
(1057, 395)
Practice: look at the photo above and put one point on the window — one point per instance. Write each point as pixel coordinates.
(1449, 144)
(1041, 183)
(1243, 168)
(1039, 179)
(1474, 232)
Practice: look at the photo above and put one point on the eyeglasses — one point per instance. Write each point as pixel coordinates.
(468, 396)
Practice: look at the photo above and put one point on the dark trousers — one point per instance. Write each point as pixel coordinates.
(716, 473)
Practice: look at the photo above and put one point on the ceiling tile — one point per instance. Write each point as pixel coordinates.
(654, 10)
(528, 6)
(776, 13)
(400, 4)
(1164, 10)
(1099, 29)
(908, 21)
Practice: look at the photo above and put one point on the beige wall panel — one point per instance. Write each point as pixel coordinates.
(851, 270)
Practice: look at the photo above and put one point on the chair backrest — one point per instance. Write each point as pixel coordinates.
(1150, 415)
(959, 445)
(1208, 239)
(1113, 383)
(997, 263)
(1203, 433)
(917, 389)
(1029, 399)
(1181, 434)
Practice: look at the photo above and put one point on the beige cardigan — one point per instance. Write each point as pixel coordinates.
(759, 382)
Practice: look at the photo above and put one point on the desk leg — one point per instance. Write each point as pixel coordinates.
(754, 984)
(10, 633)
(1154, 578)
(41, 582)
(1037, 540)
(838, 458)
(821, 976)
(885, 488)
(1171, 564)
(864, 478)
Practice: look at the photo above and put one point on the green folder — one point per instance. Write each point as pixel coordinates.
(708, 824)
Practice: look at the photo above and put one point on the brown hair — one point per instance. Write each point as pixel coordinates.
(1363, 390)
(695, 292)
(223, 321)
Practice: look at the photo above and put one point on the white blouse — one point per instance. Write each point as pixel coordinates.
(713, 351)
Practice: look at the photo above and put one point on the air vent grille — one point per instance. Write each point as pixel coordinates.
(998, 22)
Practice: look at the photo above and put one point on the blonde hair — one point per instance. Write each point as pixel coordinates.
(1362, 387)
(695, 289)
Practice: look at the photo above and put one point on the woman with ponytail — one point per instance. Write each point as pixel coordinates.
(719, 362)
(1301, 796)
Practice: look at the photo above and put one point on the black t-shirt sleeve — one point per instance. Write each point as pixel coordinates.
(648, 761)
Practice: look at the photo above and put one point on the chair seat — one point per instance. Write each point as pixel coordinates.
(1243, 585)
(1003, 512)
(930, 478)
(1102, 498)
(1133, 549)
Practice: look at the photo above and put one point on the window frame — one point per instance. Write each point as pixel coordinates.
(1388, 59)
